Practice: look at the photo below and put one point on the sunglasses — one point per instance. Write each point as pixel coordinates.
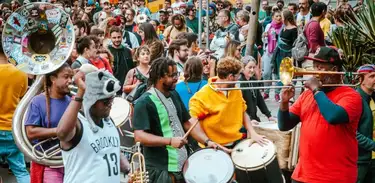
(107, 101)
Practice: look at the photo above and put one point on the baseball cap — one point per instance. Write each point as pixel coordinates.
(326, 55)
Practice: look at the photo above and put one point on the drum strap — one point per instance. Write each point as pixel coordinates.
(172, 177)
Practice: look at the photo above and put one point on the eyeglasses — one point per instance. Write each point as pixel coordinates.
(107, 101)
(173, 75)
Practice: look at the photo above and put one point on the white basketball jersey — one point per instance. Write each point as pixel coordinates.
(96, 158)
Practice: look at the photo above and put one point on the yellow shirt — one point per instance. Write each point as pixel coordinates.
(325, 24)
(223, 113)
(372, 107)
(13, 85)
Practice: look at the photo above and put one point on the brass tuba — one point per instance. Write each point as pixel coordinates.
(37, 38)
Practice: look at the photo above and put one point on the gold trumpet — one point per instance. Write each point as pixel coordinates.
(286, 72)
(138, 171)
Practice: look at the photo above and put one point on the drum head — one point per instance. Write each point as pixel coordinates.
(208, 166)
(253, 157)
(120, 111)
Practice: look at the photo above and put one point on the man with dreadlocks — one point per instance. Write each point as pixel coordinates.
(160, 119)
(43, 116)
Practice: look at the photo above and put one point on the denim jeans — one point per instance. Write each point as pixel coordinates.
(267, 69)
(14, 157)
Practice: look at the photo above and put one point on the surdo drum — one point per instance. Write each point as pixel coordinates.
(208, 166)
(121, 113)
(255, 163)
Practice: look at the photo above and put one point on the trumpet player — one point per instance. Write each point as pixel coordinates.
(89, 140)
(328, 150)
(44, 114)
(365, 137)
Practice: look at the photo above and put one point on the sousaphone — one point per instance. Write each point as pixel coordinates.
(37, 38)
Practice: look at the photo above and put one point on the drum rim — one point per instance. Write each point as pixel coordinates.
(234, 167)
(256, 167)
(130, 111)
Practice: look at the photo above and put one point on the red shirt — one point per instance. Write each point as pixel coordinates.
(328, 153)
(314, 36)
(101, 63)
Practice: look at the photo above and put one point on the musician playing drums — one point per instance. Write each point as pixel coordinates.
(44, 114)
(328, 149)
(224, 111)
(366, 143)
(160, 119)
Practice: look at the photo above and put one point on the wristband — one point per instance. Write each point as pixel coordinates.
(316, 90)
(206, 142)
(78, 99)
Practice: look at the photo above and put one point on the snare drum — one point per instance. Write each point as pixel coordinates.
(208, 166)
(255, 163)
(121, 111)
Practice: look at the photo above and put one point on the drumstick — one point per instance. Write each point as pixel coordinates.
(190, 129)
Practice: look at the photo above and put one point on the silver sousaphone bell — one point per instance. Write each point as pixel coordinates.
(37, 38)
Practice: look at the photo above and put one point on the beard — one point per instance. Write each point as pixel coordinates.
(331, 79)
(116, 43)
(169, 87)
(182, 59)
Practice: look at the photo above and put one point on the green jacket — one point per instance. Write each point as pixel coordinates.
(365, 128)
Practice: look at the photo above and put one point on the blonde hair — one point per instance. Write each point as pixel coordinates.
(231, 48)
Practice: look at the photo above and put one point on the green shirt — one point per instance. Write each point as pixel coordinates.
(151, 116)
(193, 24)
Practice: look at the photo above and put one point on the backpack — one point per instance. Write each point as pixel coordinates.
(139, 89)
(300, 46)
(127, 39)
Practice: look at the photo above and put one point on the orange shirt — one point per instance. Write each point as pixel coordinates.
(328, 153)
(13, 85)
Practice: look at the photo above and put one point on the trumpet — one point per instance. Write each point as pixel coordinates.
(287, 72)
(138, 171)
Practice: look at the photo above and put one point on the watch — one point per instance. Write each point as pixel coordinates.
(206, 142)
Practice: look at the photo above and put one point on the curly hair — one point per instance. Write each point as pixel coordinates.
(159, 68)
(138, 52)
(227, 66)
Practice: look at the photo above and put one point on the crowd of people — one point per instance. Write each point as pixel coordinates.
(153, 59)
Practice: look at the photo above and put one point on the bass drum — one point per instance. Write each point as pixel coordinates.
(255, 163)
(208, 166)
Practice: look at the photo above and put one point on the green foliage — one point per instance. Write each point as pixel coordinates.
(357, 38)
